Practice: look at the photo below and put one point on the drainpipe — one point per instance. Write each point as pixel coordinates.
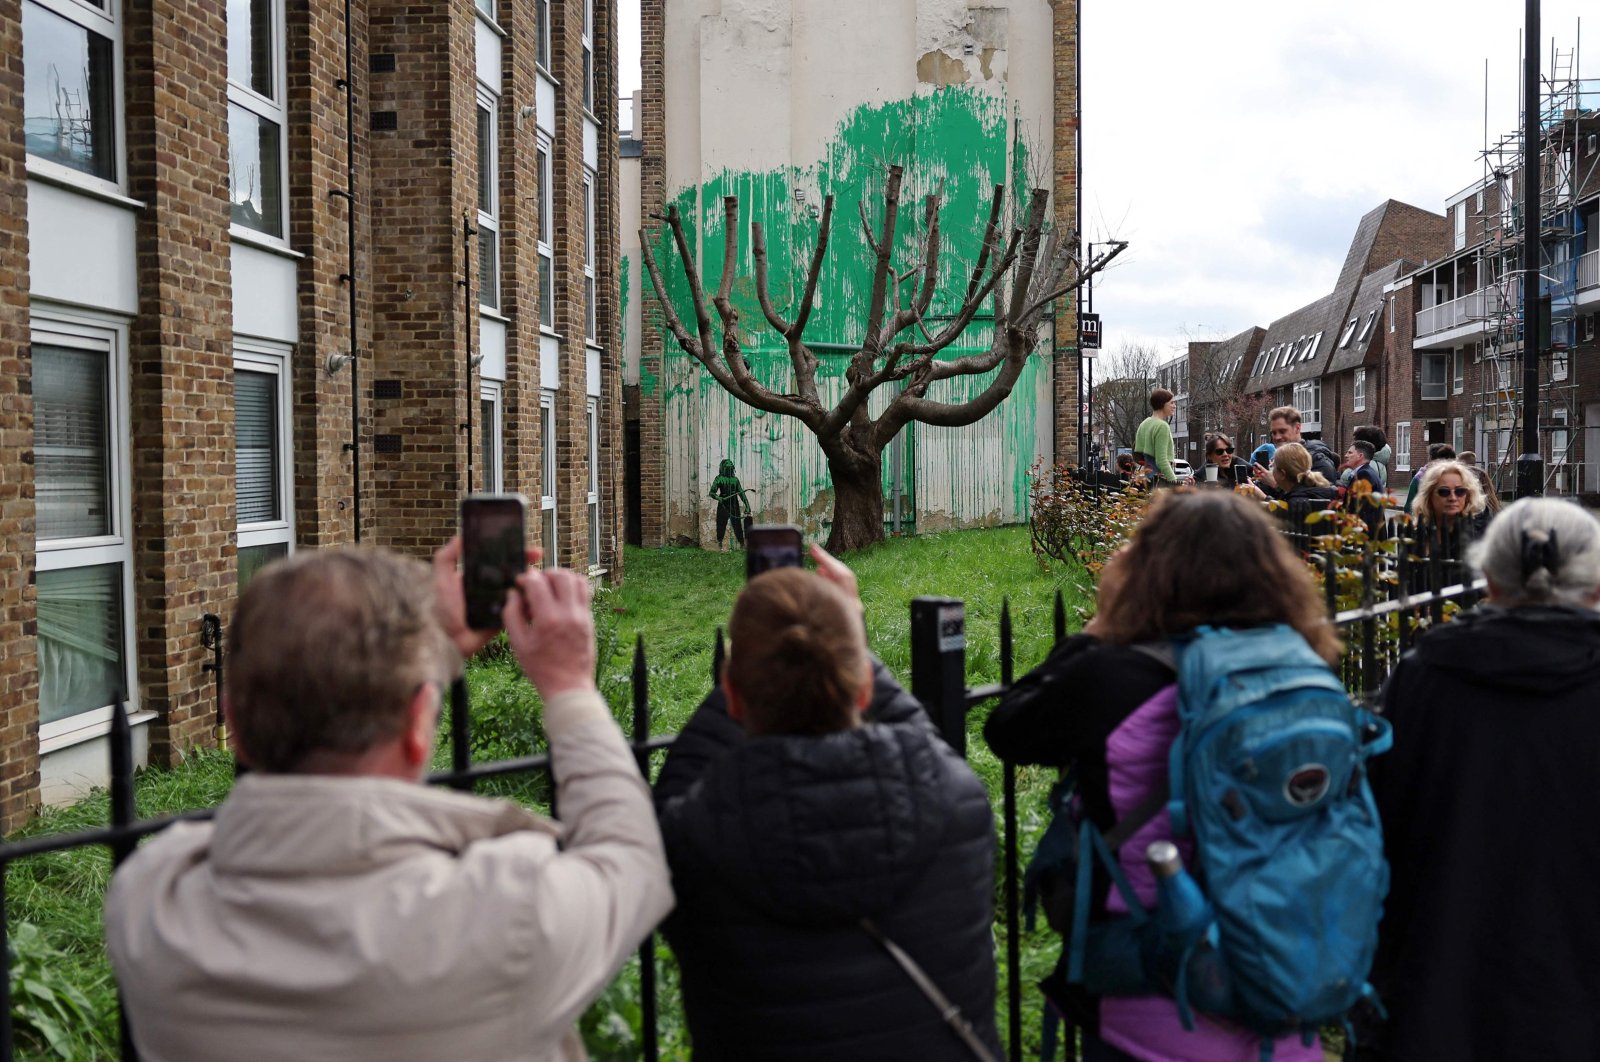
(348, 277)
(468, 230)
(1530, 467)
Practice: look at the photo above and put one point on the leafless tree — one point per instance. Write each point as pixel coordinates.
(1122, 401)
(1021, 275)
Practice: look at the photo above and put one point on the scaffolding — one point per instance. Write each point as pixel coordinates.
(1569, 117)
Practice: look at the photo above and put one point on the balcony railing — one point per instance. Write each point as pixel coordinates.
(1589, 270)
(1474, 306)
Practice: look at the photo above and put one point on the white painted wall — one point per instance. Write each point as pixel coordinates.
(264, 294)
(81, 250)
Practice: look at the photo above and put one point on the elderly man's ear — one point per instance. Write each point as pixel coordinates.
(422, 724)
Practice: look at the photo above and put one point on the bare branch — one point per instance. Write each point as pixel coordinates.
(732, 352)
(674, 323)
(758, 250)
(803, 312)
(866, 226)
(697, 291)
(880, 272)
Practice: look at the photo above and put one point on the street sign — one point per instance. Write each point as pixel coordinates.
(1088, 332)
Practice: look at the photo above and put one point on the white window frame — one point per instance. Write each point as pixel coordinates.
(489, 220)
(545, 177)
(587, 59)
(548, 517)
(1402, 446)
(1458, 433)
(275, 111)
(111, 339)
(1366, 326)
(493, 427)
(1461, 225)
(257, 356)
(1437, 390)
(1394, 310)
(1349, 332)
(1308, 400)
(1560, 432)
(486, 9)
(541, 16)
(592, 500)
(591, 310)
(1458, 371)
(107, 23)
(1560, 364)
(1358, 396)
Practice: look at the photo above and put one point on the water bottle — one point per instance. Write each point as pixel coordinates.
(1182, 911)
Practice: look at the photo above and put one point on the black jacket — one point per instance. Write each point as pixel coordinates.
(1490, 936)
(780, 845)
(1323, 459)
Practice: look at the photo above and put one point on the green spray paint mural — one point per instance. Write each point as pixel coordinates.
(958, 142)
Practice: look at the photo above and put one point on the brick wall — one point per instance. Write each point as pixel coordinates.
(1065, 194)
(422, 178)
(181, 379)
(1409, 232)
(651, 123)
(19, 673)
(325, 509)
(608, 251)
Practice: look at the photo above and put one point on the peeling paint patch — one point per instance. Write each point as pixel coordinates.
(938, 69)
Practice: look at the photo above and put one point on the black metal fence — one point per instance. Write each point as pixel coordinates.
(1376, 633)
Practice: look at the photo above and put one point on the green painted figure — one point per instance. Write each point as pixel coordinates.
(729, 496)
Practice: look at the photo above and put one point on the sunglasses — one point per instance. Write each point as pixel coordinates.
(1450, 492)
(1222, 449)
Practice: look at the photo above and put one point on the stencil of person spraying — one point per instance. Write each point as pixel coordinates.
(729, 496)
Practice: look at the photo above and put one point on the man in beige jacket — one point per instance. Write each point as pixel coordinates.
(335, 908)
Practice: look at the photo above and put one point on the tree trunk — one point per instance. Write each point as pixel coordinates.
(857, 499)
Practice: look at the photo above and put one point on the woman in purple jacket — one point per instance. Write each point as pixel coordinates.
(1100, 702)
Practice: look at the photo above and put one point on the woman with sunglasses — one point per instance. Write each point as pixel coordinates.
(1451, 514)
(1229, 470)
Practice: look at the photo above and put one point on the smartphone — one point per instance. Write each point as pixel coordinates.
(768, 546)
(494, 551)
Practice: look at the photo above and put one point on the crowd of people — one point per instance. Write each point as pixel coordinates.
(821, 862)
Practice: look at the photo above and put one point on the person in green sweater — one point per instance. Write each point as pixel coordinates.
(1152, 443)
(729, 496)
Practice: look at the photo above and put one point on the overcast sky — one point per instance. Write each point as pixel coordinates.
(1236, 155)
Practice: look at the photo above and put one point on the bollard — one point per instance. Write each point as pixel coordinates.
(939, 665)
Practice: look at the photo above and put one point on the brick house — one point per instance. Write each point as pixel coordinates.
(194, 248)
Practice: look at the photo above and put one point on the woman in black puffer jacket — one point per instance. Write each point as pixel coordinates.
(790, 816)
(1302, 491)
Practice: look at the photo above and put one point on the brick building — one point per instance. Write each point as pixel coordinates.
(194, 248)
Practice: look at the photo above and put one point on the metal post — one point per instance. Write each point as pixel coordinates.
(1059, 617)
(123, 813)
(211, 639)
(1008, 781)
(460, 752)
(1530, 467)
(468, 230)
(719, 653)
(647, 949)
(939, 664)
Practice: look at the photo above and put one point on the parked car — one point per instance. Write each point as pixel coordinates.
(1181, 467)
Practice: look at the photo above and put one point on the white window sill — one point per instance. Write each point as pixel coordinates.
(71, 180)
(488, 20)
(88, 733)
(493, 314)
(262, 242)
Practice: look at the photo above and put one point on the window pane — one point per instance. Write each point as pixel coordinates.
(253, 558)
(68, 102)
(250, 45)
(489, 445)
(255, 397)
(588, 79)
(591, 327)
(542, 190)
(485, 159)
(72, 485)
(541, 31)
(80, 640)
(547, 448)
(594, 533)
(487, 7)
(488, 267)
(255, 185)
(548, 537)
(547, 291)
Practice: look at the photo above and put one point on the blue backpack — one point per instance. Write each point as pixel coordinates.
(1267, 775)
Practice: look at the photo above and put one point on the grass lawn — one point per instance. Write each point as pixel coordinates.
(673, 598)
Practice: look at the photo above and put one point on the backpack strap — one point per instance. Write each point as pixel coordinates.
(947, 1010)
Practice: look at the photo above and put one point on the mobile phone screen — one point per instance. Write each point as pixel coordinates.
(494, 552)
(768, 546)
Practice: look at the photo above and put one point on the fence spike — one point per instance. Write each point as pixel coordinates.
(718, 652)
(1060, 616)
(641, 704)
(1005, 641)
(122, 806)
(460, 731)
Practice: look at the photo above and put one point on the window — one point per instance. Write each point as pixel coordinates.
(488, 205)
(1461, 225)
(489, 428)
(1458, 434)
(1366, 326)
(1394, 310)
(547, 485)
(1458, 378)
(70, 79)
(1402, 445)
(594, 481)
(547, 258)
(83, 558)
(262, 472)
(591, 328)
(1349, 332)
(1558, 436)
(1358, 403)
(256, 148)
(541, 32)
(1433, 376)
(1558, 364)
(1311, 347)
(1308, 400)
(588, 55)
(1502, 373)
(486, 8)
